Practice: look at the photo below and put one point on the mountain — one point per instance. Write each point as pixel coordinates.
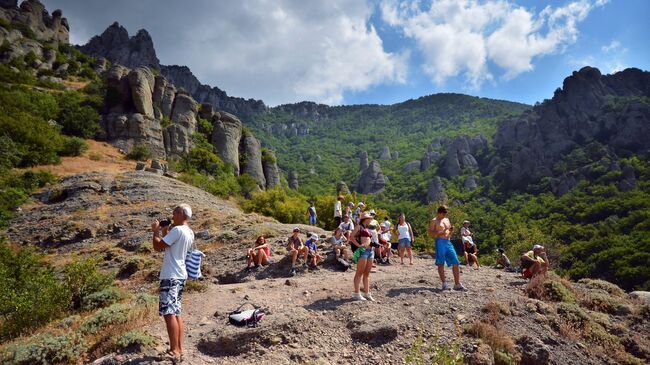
(115, 45)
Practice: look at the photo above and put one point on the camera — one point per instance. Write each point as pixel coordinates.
(165, 222)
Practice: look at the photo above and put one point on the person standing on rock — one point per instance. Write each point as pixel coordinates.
(405, 237)
(338, 212)
(442, 229)
(176, 242)
(311, 214)
(361, 238)
(295, 247)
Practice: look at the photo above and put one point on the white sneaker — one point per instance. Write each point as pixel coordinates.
(358, 296)
(445, 286)
(460, 287)
(368, 296)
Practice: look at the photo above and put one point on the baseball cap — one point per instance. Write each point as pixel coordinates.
(538, 247)
(314, 237)
(296, 229)
(372, 212)
(465, 222)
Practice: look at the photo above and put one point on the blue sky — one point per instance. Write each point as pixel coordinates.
(380, 51)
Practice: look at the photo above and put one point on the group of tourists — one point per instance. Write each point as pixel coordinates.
(358, 237)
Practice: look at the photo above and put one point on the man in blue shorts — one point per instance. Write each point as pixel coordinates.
(175, 242)
(442, 229)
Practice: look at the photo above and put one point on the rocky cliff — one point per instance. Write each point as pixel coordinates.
(116, 46)
(32, 13)
(611, 111)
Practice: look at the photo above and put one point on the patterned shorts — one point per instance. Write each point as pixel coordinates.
(171, 293)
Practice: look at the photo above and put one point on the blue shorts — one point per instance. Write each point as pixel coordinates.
(445, 252)
(369, 254)
(312, 220)
(404, 242)
(171, 294)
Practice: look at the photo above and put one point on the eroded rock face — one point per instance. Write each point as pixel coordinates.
(436, 192)
(271, 170)
(293, 180)
(184, 111)
(32, 13)
(251, 160)
(385, 153)
(141, 81)
(372, 180)
(533, 143)
(471, 182)
(363, 160)
(225, 138)
(412, 166)
(115, 45)
(124, 131)
(459, 155)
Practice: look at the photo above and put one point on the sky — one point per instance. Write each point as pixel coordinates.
(342, 52)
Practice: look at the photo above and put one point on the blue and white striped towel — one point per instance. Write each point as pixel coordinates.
(193, 263)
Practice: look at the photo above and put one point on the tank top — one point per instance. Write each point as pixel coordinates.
(403, 230)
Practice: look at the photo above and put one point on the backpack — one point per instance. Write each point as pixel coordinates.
(248, 318)
(193, 262)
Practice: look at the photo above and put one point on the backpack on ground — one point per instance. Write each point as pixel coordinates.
(248, 318)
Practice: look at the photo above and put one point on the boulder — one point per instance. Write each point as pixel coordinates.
(384, 154)
(178, 139)
(271, 170)
(141, 81)
(372, 180)
(533, 351)
(425, 162)
(251, 159)
(644, 296)
(412, 166)
(163, 97)
(394, 155)
(184, 111)
(342, 188)
(482, 355)
(363, 160)
(225, 138)
(436, 192)
(293, 180)
(471, 182)
(140, 166)
(124, 131)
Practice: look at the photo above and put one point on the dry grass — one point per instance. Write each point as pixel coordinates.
(493, 336)
(74, 84)
(494, 310)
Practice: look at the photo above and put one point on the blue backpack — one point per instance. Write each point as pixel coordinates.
(193, 262)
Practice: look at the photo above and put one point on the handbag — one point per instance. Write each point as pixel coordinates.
(247, 318)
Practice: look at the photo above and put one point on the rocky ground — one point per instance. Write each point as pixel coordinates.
(311, 318)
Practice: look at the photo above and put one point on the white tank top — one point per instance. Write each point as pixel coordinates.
(403, 230)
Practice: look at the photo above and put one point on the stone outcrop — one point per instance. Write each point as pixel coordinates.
(115, 45)
(293, 180)
(372, 180)
(384, 154)
(271, 170)
(226, 135)
(579, 113)
(127, 130)
(363, 160)
(32, 13)
(471, 182)
(141, 81)
(460, 156)
(436, 192)
(251, 160)
(412, 166)
(342, 188)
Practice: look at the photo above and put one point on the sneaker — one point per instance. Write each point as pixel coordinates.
(445, 286)
(293, 271)
(305, 265)
(359, 297)
(368, 297)
(460, 287)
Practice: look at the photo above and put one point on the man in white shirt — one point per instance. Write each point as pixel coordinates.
(176, 242)
(338, 212)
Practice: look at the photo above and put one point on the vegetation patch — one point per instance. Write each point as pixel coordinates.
(133, 341)
(610, 288)
(46, 349)
(551, 288)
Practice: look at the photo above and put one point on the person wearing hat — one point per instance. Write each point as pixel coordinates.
(469, 248)
(360, 238)
(348, 209)
(347, 227)
(373, 226)
(358, 212)
(312, 251)
(296, 247)
(338, 212)
(442, 229)
(534, 262)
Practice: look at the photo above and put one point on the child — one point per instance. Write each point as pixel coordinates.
(312, 246)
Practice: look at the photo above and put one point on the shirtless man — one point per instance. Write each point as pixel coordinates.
(442, 229)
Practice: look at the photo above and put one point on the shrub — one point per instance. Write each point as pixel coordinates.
(278, 204)
(76, 117)
(47, 349)
(612, 289)
(497, 339)
(205, 127)
(102, 298)
(30, 294)
(225, 186)
(195, 286)
(115, 314)
(74, 146)
(82, 278)
(605, 303)
(134, 341)
(550, 288)
(139, 152)
(95, 156)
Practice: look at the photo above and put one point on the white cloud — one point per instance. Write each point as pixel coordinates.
(609, 62)
(463, 37)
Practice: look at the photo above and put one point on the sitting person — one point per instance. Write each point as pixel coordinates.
(503, 261)
(471, 254)
(534, 262)
(296, 247)
(339, 244)
(384, 243)
(347, 227)
(312, 247)
(259, 255)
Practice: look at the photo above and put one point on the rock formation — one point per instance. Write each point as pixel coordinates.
(271, 170)
(293, 180)
(459, 155)
(385, 153)
(372, 180)
(32, 13)
(411, 166)
(436, 192)
(251, 159)
(342, 188)
(529, 146)
(471, 182)
(363, 160)
(116, 46)
(226, 135)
